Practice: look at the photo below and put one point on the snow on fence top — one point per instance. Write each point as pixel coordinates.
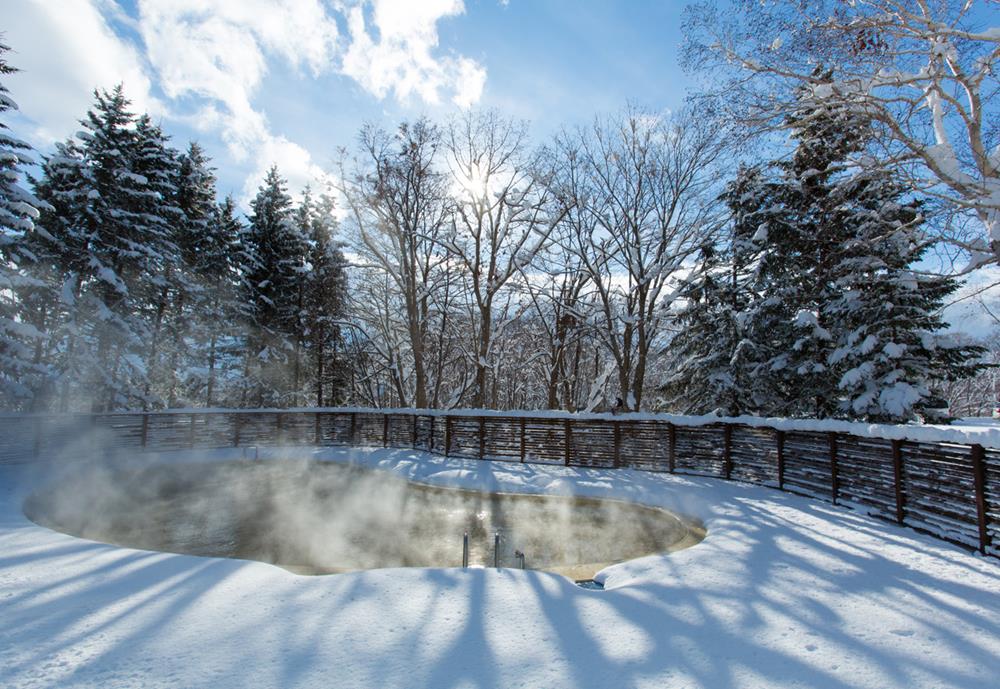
(987, 435)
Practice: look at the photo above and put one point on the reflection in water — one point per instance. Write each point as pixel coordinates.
(318, 517)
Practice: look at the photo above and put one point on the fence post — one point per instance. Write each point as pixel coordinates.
(568, 439)
(447, 435)
(897, 473)
(430, 439)
(385, 430)
(354, 429)
(780, 438)
(237, 422)
(522, 439)
(618, 444)
(413, 433)
(279, 424)
(834, 479)
(727, 448)
(979, 479)
(145, 430)
(671, 447)
(191, 432)
(482, 437)
(317, 431)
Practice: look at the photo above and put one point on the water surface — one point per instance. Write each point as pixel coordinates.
(324, 517)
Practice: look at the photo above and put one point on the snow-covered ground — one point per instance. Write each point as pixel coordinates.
(783, 592)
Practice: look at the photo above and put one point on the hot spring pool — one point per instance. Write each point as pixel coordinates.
(325, 517)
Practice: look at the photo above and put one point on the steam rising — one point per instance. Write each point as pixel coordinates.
(321, 517)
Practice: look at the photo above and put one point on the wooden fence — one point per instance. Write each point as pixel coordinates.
(949, 490)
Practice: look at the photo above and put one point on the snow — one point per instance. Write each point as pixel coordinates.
(899, 398)
(857, 374)
(808, 319)
(133, 177)
(868, 345)
(783, 592)
(953, 433)
(894, 350)
(66, 294)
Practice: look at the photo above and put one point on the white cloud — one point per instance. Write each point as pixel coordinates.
(294, 163)
(218, 48)
(218, 51)
(401, 61)
(65, 50)
(210, 59)
(471, 80)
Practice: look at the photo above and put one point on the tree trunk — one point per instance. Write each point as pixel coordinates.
(482, 350)
(211, 370)
(320, 354)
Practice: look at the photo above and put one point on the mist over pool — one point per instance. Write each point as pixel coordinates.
(321, 517)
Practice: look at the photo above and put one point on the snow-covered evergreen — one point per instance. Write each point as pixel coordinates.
(716, 362)
(220, 260)
(121, 245)
(324, 307)
(21, 366)
(165, 285)
(275, 249)
(887, 313)
(702, 377)
(824, 314)
(208, 240)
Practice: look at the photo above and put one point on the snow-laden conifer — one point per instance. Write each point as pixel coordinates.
(275, 251)
(22, 369)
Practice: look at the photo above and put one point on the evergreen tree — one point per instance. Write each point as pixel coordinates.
(789, 222)
(208, 263)
(61, 246)
(120, 244)
(887, 316)
(219, 270)
(700, 353)
(325, 306)
(109, 242)
(835, 323)
(724, 340)
(868, 327)
(304, 217)
(275, 252)
(163, 289)
(819, 227)
(196, 199)
(21, 371)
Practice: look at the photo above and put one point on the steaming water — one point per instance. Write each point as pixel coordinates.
(319, 517)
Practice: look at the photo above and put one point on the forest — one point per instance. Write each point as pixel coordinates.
(645, 261)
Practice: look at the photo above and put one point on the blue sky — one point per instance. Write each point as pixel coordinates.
(259, 82)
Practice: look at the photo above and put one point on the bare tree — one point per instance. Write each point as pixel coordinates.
(639, 185)
(398, 205)
(503, 214)
(924, 72)
(556, 290)
(977, 395)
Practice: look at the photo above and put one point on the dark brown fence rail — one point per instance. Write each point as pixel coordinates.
(949, 490)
